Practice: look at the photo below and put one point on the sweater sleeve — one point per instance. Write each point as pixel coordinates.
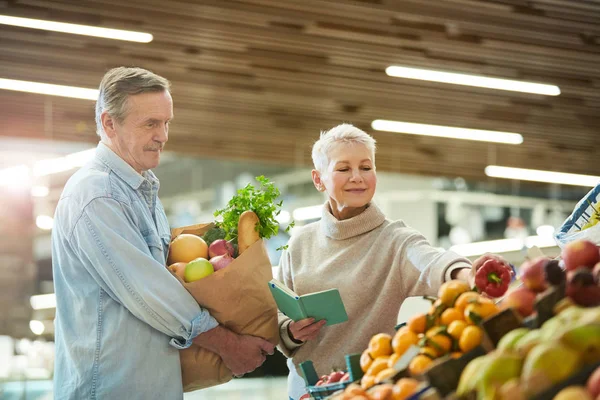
(433, 265)
(286, 345)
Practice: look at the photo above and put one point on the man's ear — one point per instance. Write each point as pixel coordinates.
(108, 124)
(316, 177)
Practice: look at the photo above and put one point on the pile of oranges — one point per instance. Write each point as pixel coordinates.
(451, 327)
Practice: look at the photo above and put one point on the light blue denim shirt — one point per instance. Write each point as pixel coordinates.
(121, 316)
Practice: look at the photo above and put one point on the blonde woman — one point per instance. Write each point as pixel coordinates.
(374, 262)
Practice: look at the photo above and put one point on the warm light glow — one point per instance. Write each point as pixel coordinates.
(43, 301)
(284, 217)
(472, 80)
(447, 132)
(76, 29)
(40, 191)
(16, 176)
(49, 89)
(535, 175)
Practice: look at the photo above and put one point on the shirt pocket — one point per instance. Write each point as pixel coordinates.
(157, 247)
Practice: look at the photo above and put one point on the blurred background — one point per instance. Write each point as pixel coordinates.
(477, 107)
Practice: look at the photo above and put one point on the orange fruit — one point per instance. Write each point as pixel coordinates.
(429, 351)
(417, 323)
(481, 309)
(441, 343)
(382, 392)
(456, 354)
(178, 269)
(380, 345)
(465, 299)
(379, 364)
(403, 339)
(354, 389)
(385, 374)
(455, 329)
(367, 381)
(365, 360)
(471, 337)
(187, 247)
(393, 359)
(449, 291)
(404, 388)
(419, 364)
(449, 315)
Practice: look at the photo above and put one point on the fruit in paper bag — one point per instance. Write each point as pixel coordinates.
(581, 253)
(187, 247)
(220, 247)
(551, 360)
(198, 269)
(220, 262)
(178, 269)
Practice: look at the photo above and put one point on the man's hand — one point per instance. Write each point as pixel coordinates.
(240, 353)
(305, 329)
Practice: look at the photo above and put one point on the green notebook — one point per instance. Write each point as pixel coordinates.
(327, 305)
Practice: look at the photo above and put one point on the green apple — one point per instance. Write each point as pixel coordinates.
(198, 269)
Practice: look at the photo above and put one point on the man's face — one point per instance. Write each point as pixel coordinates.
(139, 139)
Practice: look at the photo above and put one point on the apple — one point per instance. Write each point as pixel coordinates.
(593, 384)
(533, 274)
(521, 299)
(178, 269)
(220, 247)
(198, 269)
(335, 376)
(581, 253)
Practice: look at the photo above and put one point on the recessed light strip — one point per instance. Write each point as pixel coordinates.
(76, 29)
(534, 175)
(472, 80)
(50, 89)
(447, 132)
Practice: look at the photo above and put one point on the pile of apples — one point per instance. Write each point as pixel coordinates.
(579, 266)
(334, 377)
(191, 259)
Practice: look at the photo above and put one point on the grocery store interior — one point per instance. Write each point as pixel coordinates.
(486, 115)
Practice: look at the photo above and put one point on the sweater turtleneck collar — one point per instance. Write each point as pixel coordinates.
(369, 219)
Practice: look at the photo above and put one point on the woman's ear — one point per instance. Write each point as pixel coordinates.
(316, 177)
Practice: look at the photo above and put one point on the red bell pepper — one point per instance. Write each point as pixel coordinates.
(493, 278)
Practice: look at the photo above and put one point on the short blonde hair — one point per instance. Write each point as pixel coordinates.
(341, 134)
(120, 83)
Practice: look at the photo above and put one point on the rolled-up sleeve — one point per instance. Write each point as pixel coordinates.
(115, 253)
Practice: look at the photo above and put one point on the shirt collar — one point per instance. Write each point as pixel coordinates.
(121, 168)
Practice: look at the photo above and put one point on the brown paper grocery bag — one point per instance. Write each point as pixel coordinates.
(238, 297)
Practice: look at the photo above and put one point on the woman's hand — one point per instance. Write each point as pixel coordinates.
(305, 329)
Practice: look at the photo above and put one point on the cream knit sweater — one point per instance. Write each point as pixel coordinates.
(375, 263)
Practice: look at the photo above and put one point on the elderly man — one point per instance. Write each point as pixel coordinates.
(121, 317)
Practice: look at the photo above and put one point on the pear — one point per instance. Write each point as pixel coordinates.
(528, 341)
(468, 377)
(585, 339)
(550, 362)
(509, 341)
(501, 368)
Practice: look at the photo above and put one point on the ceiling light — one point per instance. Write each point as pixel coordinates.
(77, 29)
(60, 164)
(502, 245)
(49, 89)
(37, 327)
(43, 301)
(44, 222)
(535, 175)
(472, 80)
(447, 132)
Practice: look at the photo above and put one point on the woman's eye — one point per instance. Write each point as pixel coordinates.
(343, 169)
(367, 168)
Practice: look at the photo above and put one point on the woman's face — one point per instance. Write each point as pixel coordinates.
(349, 180)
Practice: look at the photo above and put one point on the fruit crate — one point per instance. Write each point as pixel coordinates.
(322, 392)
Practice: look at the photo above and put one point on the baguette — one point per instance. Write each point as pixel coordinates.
(247, 230)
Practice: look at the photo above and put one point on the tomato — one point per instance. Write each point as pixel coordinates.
(335, 376)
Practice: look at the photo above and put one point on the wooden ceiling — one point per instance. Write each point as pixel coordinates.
(258, 79)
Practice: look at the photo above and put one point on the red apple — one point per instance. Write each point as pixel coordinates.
(335, 376)
(593, 384)
(581, 253)
(533, 274)
(521, 299)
